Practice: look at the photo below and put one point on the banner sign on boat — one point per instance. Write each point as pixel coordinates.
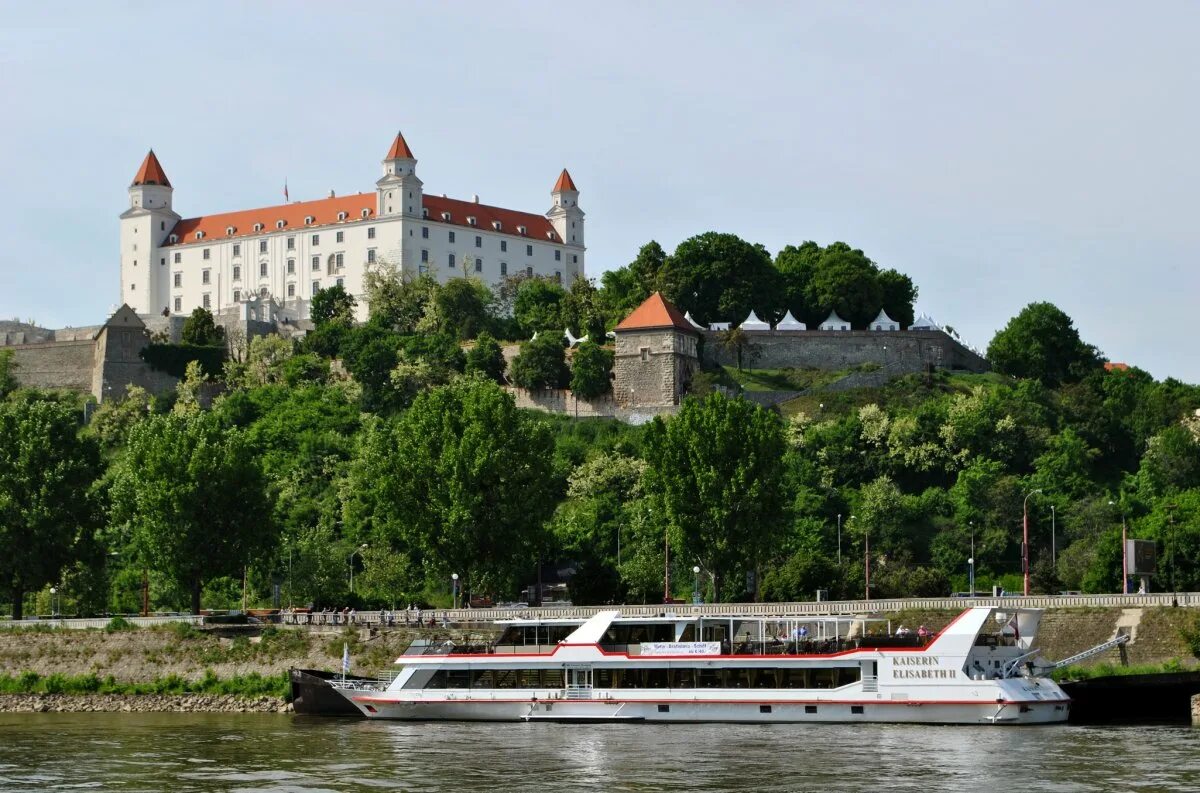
(681, 648)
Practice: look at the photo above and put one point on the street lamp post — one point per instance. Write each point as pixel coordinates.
(54, 602)
(357, 552)
(867, 562)
(971, 573)
(1053, 541)
(696, 589)
(454, 588)
(1025, 538)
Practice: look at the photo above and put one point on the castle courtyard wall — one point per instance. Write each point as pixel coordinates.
(893, 351)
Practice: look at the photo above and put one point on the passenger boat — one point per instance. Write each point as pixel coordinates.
(675, 668)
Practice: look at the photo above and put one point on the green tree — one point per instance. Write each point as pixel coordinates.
(720, 277)
(333, 304)
(626, 288)
(582, 310)
(541, 363)
(462, 307)
(460, 482)
(1042, 343)
(591, 368)
(718, 467)
(192, 499)
(8, 380)
(46, 500)
(202, 330)
(898, 294)
(397, 301)
(486, 358)
(847, 282)
(113, 420)
(538, 306)
(1170, 463)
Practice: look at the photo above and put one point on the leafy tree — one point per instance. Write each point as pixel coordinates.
(720, 277)
(333, 304)
(202, 330)
(113, 420)
(1170, 463)
(462, 307)
(718, 467)
(541, 363)
(898, 294)
(370, 353)
(47, 506)
(796, 265)
(626, 288)
(8, 380)
(460, 482)
(539, 306)
(192, 499)
(846, 281)
(1042, 343)
(581, 308)
(591, 368)
(486, 358)
(397, 301)
(1174, 525)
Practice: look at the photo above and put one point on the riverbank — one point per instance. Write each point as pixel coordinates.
(140, 703)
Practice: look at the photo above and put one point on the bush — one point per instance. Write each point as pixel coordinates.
(541, 363)
(119, 624)
(174, 358)
(590, 370)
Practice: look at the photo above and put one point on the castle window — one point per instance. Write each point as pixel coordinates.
(370, 256)
(528, 250)
(645, 351)
(424, 255)
(279, 224)
(471, 220)
(162, 225)
(341, 236)
(237, 249)
(574, 258)
(529, 272)
(291, 290)
(258, 227)
(340, 282)
(237, 296)
(479, 265)
(316, 287)
(132, 287)
(550, 235)
(206, 254)
(178, 304)
(162, 261)
(173, 238)
(291, 266)
(558, 256)
(370, 232)
(521, 230)
(503, 268)
(291, 242)
(366, 213)
(424, 232)
(316, 263)
(207, 300)
(558, 276)
(176, 257)
(504, 246)
(262, 246)
(446, 216)
(478, 241)
(496, 225)
(237, 272)
(341, 216)
(262, 269)
(178, 280)
(424, 212)
(316, 239)
(308, 221)
(229, 231)
(452, 236)
(450, 260)
(199, 235)
(263, 292)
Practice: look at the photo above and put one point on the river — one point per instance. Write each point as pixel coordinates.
(284, 754)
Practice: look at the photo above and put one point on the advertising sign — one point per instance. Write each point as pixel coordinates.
(681, 648)
(1142, 557)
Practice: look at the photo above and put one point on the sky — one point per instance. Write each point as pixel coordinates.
(998, 153)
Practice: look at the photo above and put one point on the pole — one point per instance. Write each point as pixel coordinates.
(666, 567)
(839, 539)
(145, 593)
(1124, 557)
(245, 575)
(1025, 539)
(1053, 541)
(867, 564)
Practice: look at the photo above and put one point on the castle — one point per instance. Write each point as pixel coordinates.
(266, 264)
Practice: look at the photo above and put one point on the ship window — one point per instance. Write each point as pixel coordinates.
(856, 709)
(810, 708)
(764, 708)
(664, 708)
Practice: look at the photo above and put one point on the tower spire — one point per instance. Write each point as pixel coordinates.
(565, 182)
(400, 150)
(151, 172)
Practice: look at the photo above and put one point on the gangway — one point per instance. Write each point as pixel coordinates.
(1086, 654)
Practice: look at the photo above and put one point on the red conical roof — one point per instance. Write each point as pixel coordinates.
(151, 172)
(399, 150)
(564, 183)
(656, 312)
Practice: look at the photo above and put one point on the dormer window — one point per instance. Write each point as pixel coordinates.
(471, 220)
(446, 216)
(496, 225)
(308, 221)
(257, 227)
(550, 235)
(341, 216)
(229, 231)
(199, 235)
(279, 224)
(174, 238)
(425, 212)
(366, 213)
(521, 230)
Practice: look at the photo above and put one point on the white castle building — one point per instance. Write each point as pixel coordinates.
(287, 253)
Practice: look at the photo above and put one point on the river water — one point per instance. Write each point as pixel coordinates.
(252, 752)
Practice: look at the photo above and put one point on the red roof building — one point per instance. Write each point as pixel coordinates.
(655, 312)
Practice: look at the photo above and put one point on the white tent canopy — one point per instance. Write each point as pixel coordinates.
(924, 322)
(884, 322)
(834, 322)
(695, 324)
(790, 323)
(752, 322)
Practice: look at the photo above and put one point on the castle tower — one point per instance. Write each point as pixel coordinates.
(565, 215)
(144, 228)
(657, 355)
(399, 189)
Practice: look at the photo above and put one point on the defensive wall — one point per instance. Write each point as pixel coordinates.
(563, 400)
(902, 351)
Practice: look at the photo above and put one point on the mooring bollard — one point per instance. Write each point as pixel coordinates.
(1196, 710)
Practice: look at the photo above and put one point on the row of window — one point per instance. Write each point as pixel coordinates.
(807, 678)
(336, 262)
(340, 236)
(206, 298)
(452, 237)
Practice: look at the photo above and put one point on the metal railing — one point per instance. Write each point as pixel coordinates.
(72, 623)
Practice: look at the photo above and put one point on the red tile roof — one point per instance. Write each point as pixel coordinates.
(399, 149)
(565, 182)
(1111, 366)
(151, 172)
(656, 312)
(325, 211)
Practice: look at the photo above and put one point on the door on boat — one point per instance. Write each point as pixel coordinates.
(579, 682)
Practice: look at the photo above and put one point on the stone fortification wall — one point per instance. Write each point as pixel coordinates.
(897, 352)
(653, 367)
(65, 364)
(562, 400)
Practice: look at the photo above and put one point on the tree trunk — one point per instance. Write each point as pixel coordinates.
(18, 603)
(196, 585)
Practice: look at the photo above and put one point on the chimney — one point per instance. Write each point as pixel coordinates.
(475, 198)
(331, 194)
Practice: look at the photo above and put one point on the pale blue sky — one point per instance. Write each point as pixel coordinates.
(999, 153)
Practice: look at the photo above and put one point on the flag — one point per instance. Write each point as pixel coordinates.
(285, 192)
(1016, 628)
(345, 658)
